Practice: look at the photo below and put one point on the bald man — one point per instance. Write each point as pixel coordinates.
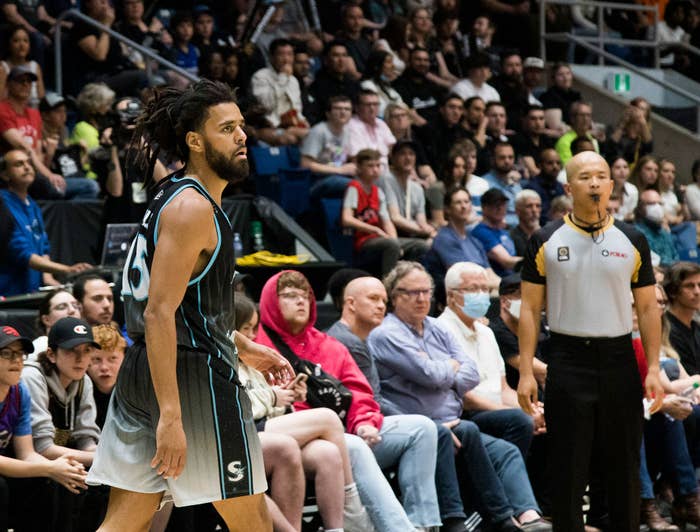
(585, 266)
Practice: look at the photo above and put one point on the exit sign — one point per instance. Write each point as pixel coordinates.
(619, 82)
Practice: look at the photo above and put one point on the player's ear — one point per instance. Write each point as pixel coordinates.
(194, 141)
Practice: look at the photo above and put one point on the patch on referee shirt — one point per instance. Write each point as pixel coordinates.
(563, 253)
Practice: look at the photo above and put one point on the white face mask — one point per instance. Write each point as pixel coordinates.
(515, 308)
(655, 213)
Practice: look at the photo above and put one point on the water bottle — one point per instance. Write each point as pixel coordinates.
(688, 392)
(256, 232)
(237, 246)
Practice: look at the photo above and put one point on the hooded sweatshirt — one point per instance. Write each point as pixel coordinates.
(70, 412)
(319, 348)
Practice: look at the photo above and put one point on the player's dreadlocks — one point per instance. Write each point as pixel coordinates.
(168, 116)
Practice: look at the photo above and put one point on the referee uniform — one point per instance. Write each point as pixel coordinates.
(593, 393)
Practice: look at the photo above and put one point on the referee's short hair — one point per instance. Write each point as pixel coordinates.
(678, 273)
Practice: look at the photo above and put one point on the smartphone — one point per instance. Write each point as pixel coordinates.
(300, 377)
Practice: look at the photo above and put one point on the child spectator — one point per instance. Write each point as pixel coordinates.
(18, 52)
(104, 366)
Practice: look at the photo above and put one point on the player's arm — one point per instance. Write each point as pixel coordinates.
(528, 330)
(650, 329)
(186, 231)
(267, 361)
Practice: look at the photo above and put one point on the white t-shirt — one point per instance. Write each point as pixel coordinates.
(325, 147)
(465, 89)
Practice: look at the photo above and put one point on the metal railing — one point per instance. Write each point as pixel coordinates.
(147, 52)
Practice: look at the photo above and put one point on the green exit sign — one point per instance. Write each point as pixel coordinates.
(620, 82)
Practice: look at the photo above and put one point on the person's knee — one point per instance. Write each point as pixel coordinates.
(522, 421)
(325, 456)
(329, 419)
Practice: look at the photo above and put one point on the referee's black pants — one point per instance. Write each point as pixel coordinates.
(593, 409)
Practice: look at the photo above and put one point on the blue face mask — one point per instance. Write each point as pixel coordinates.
(476, 304)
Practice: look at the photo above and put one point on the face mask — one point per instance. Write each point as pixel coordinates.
(476, 304)
(515, 308)
(655, 213)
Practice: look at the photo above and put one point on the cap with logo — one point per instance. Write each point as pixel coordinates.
(70, 332)
(9, 334)
(20, 72)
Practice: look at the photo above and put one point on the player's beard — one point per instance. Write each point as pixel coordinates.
(229, 168)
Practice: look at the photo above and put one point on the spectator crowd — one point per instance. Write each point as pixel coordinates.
(443, 139)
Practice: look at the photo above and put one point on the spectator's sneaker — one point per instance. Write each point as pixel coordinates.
(454, 524)
(355, 518)
(538, 525)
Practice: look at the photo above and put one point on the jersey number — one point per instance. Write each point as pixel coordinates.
(136, 278)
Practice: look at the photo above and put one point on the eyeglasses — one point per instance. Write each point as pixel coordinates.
(64, 306)
(414, 294)
(12, 354)
(294, 296)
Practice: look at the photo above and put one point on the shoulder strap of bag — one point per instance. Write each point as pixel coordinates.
(283, 348)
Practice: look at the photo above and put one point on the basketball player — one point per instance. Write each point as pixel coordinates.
(179, 420)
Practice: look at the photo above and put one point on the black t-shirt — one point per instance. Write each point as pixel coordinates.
(523, 145)
(420, 94)
(84, 65)
(556, 98)
(686, 341)
(27, 9)
(101, 402)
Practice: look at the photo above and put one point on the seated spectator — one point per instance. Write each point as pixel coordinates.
(288, 313)
(325, 150)
(505, 177)
(211, 64)
(318, 433)
(682, 287)
(367, 130)
(95, 297)
(95, 102)
(406, 200)
(476, 123)
(421, 34)
(450, 41)
(457, 171)
(557, 99)
(480, 38)
(631, 138)
(28, 249)
(63, 421)
(475, 84)
(18, 51)
(673, 208)
(496, 130)
(365, 211)
(206, 38)
(531, 139)
(670, 33)
(423, 370)
(333, 78)
(378, 76)
(645, 173)
(528, 207)
(358, 46)
(533, 68)
(20, 460)
(104, 367)
(295, 27)
(692, 192)
(278, 91)
(302, 71)
(182, 52)
(455, 243)
(649, 218)
(581, 124)
(499, 247)
(444, 131)
(20, 129)
(99, 57)
(393, 39)
(623, 189)
(545, 183)
(133, 26)
(55, 305)
(492, 404)
(509, 85)
(560, 207)
(363, 307)
(397, 118)
(417, 90)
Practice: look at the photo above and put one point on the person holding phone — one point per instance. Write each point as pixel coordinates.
(318, 432)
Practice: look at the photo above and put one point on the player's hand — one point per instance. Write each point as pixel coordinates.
(654, 390)
(527, 393)
(171, 448)
(369, 433)
(68, 472)
(267, 361)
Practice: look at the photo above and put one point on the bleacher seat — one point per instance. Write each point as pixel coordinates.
(339, 239)
(278, 177)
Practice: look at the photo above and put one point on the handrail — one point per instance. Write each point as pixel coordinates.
(118, 36)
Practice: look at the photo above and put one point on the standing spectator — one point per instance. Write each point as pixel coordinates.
(509, 84)
(367, 130)
(531, 139)
(623, 189)
(55, 305)
(95, 298)
(28, 249)
(378, 76)
(357, 45)
(277, 89)
(417, 90)
(631, 137)
(545, 183)
(683, 289)
(182, 52)
(505, 177)
(557, 99)
(581, 124)
(670, 33)
(649, 217)
(17, 54)
(333, 79)
(528, 207)
(104, 367)
(692, 192)
(499, 247)
(475, 84)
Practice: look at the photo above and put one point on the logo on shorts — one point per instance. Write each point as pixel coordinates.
(563, 253)
(236, 471)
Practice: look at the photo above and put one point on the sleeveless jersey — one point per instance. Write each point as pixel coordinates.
(204, 319)
(367, 211)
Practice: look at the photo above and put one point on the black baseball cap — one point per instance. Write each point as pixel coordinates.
(9, 334)
(509, 284)
(493, 196)
(51, 101)
(70, 332)
(21, 71)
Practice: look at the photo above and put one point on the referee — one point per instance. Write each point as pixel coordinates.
(585, 265)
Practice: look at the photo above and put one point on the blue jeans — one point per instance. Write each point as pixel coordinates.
(376, 494)
(496, 473)
(512, 425)
(446, 481)
(81, 188)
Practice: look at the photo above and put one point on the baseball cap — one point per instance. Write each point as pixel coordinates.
(21, 71)
(493, 196)
(50, 101)
(70, 332)
(9, 334)
(401, 144)
(533, 62)
(509, 284)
